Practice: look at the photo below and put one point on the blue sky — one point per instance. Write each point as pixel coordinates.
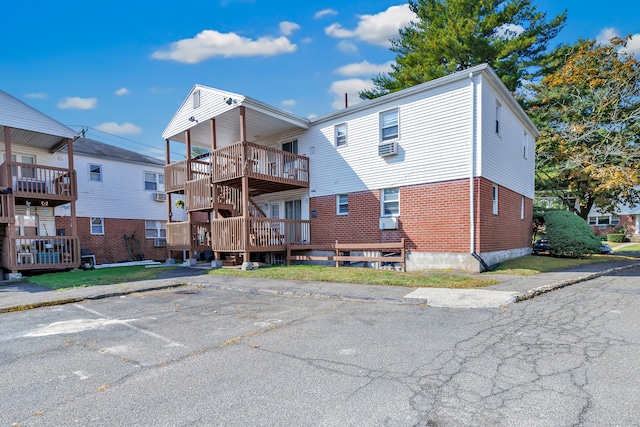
(122, 68)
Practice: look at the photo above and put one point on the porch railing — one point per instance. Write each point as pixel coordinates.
(40, 253)
(38, 181)
(238, 234)
(7, 209)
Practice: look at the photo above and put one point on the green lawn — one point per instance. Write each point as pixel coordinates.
(366, 276)
(531, 264)
(635, 247)
(102, 276)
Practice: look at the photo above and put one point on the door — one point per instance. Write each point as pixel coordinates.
(293, 210)
(290, 163)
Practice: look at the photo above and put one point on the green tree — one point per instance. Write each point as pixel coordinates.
(452, 35)
(588, 112)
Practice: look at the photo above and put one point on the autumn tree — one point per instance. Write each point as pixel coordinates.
(452, 35)
(588, 112)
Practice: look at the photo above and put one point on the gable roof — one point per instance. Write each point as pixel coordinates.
(30, 126)
(93, 148)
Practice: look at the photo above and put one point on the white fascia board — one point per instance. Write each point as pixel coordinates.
(277, 113)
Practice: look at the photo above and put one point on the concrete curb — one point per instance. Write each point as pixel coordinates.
(532, 293)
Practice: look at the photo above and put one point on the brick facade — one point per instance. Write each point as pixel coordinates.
(626, 221)
(111, 247)
(433, 218)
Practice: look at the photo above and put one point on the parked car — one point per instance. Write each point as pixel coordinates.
(540, 245)
(605, 248)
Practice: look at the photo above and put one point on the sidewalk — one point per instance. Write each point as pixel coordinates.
(15, 296)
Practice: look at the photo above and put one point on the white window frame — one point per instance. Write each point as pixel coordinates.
(340, 138)
(196, 98)
(494, 198)
(156, 230)
(604, 220)
(158, 181)
(522, 208)
(383, 127)
(384, 201)
(342, 200)
(498, 118)
(91, 174)
(92, 225)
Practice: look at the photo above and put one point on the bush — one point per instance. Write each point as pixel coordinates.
(569, 235)
(614, 237)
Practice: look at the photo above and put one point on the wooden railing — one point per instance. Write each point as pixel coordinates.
(198, 194)
(175, 174)
(383, 252)
(7, 208)
(262, 234)
(188, 236)
(38, 181)
(40, 253)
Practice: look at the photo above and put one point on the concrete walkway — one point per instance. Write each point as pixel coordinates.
(15, 296)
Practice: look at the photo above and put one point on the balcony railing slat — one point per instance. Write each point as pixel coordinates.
(40, 252)
(39, 181)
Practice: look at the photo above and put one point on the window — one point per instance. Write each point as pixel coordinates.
(390, 200)
(196, 99)
(342, 204)
(97, 225)
(153, 181)
(341, 134)
(522, 208)
(27, 225)
(389, 125)
(22, 171)
(95, 173)
(290, 147)
(498, 117)
(525, 144)
(495, 199)
(156, 230)
(604, 220)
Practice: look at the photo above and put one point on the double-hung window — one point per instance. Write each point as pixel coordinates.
(97, 225)
(95, 172)
(390, 202)
(156, 230)
(495, 199)
(389, 125)
(342, 204)
(153, 181)
(341, 134)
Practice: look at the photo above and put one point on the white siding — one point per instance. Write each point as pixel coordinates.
(121, 193)
(58, 160)
(46, 219)
(434, 143)
(285, 196)
(501, 159)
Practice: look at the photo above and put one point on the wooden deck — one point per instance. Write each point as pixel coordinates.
(238, 234)
(269, 170)
(40, 253)
(37, 183)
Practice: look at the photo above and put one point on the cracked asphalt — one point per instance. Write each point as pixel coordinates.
(204, 356)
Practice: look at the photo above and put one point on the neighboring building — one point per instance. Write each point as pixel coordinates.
(625, 219)
(447, 165)
(121, 207)
(35, 177)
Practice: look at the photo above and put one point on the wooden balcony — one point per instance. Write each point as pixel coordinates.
(38, 183)
(238, 234)
(7, 209)
(269, 170)
(40, 253)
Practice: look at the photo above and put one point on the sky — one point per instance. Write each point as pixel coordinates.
(121, 69)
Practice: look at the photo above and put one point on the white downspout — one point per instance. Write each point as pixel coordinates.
(472, 230)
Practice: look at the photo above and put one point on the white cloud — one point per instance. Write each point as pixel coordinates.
(347, 46)
(36, 95)
(633, 45)
(122, 91)
(116, 129)
(77, 103)
(351, 87)
(323, 13)
(364, 68)
(307, 40)
(210, 43)
(509, 31)
(287, 28)
(376, 29)
(288, 103)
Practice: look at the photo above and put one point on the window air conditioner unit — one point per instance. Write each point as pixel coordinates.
(160, 243)
(160, 197)
(389, 223)
(388, 149)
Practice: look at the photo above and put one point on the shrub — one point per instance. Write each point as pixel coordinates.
(569, 235)
(614, 237)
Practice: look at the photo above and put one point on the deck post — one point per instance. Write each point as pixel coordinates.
(404, 259)
(337, 254)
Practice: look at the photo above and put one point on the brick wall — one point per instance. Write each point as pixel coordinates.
(505, 230)
(111, 247)
(626, 221)
(433, 218)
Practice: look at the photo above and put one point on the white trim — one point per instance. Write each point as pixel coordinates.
(494, 198)
(91, 226)
(381, 125)
(336, 135)
(338, 204)
(89, 165)
(383, 201)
